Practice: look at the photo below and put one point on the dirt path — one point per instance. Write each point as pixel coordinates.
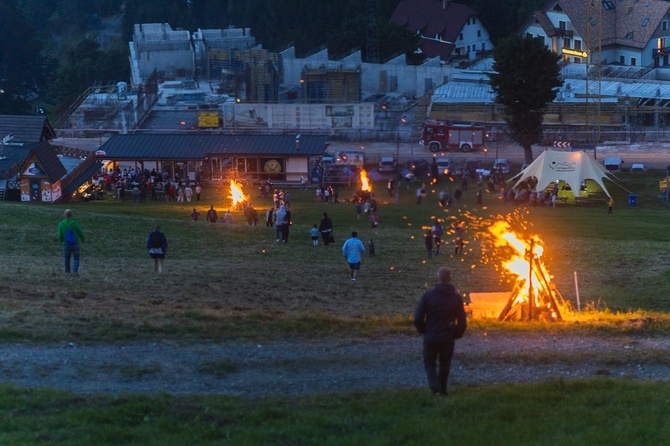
(300, 367)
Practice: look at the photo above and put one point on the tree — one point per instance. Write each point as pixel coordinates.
(526, 80)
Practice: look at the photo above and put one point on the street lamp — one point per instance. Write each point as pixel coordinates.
(5, 140)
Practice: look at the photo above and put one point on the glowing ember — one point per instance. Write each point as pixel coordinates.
(236, 193)
(533, 296)
(365, 181)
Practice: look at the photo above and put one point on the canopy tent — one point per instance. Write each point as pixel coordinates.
(571, 167)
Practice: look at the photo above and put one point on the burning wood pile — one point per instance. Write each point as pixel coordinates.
(534, 296)
(237, 195)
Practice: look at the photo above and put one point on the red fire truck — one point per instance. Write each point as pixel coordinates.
(440, 135)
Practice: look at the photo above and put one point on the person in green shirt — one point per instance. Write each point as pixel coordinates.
(70, 235)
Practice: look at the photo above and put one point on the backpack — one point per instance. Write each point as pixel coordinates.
(156, 241)
(70, 237)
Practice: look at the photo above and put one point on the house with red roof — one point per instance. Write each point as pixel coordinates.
(448, 30)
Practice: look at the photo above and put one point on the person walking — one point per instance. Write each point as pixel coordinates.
(70, 235)
(326, 228)
(610, 205)
(440, 318)
(157, 245)
(428, 239)
(314, 233)
(459, 237)
(437, 229)
(352, 250)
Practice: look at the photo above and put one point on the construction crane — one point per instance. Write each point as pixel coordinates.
(594, 41)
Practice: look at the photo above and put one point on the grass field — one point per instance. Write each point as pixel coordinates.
(220, 277)
(226, 282)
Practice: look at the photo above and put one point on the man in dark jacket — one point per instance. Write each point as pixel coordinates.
(440, 318)
(326, 228)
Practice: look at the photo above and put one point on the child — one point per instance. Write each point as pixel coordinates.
(371, 248)
(429, 244)
(195, 214)
(314, 232)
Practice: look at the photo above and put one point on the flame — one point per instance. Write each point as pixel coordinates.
(365, 181)
(236, 193)
(533, 281)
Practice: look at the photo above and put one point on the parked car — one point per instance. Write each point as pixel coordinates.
(415, 168)
(388, 164)
(638, 168)
(470, 166)
(613, 163)
(501, 165)
(444, 166)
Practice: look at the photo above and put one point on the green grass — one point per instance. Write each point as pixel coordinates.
(584, 412)
(236, 282)
(226, 282)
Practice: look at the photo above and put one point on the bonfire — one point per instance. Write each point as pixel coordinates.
(365, 181)
(534, 296)
(237, 194)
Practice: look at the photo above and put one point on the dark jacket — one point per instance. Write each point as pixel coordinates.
(440, 315)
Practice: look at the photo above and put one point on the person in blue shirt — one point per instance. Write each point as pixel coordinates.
(352, 250)
(157, 245)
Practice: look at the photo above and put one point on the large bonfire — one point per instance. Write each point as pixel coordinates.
(237, 194)
(534, 296)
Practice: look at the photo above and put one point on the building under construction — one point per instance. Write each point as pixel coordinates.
(325, 84)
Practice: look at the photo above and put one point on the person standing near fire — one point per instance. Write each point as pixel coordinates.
(440, 318)
(211, 215)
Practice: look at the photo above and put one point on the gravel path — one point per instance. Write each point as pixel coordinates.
(301, 367)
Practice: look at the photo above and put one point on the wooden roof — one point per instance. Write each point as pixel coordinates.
(48, 160)
(26, 129)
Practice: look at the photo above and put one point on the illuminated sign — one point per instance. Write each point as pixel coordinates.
(576, 53)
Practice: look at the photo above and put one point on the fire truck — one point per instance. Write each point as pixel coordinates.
(440, 135)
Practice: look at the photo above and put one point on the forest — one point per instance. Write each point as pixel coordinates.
(52, 50)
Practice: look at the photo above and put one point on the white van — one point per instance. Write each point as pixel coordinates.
(613, 163)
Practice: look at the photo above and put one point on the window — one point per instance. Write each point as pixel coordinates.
(633, 61)
(460, 36)
(608, 5)
(562, 24)
(566, 43)
(541, 39)
(479, 33)
(645, 22)
(622, 60)
(483, 46)
(578, 44)
(664, 25)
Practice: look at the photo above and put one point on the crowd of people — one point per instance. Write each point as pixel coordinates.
(142, 185)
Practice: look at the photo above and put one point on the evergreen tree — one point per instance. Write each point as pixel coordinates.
(526, 80)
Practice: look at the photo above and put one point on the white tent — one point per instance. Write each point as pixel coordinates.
(571, 167)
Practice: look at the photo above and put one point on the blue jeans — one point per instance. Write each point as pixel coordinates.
(434, 352)
(71, 250)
